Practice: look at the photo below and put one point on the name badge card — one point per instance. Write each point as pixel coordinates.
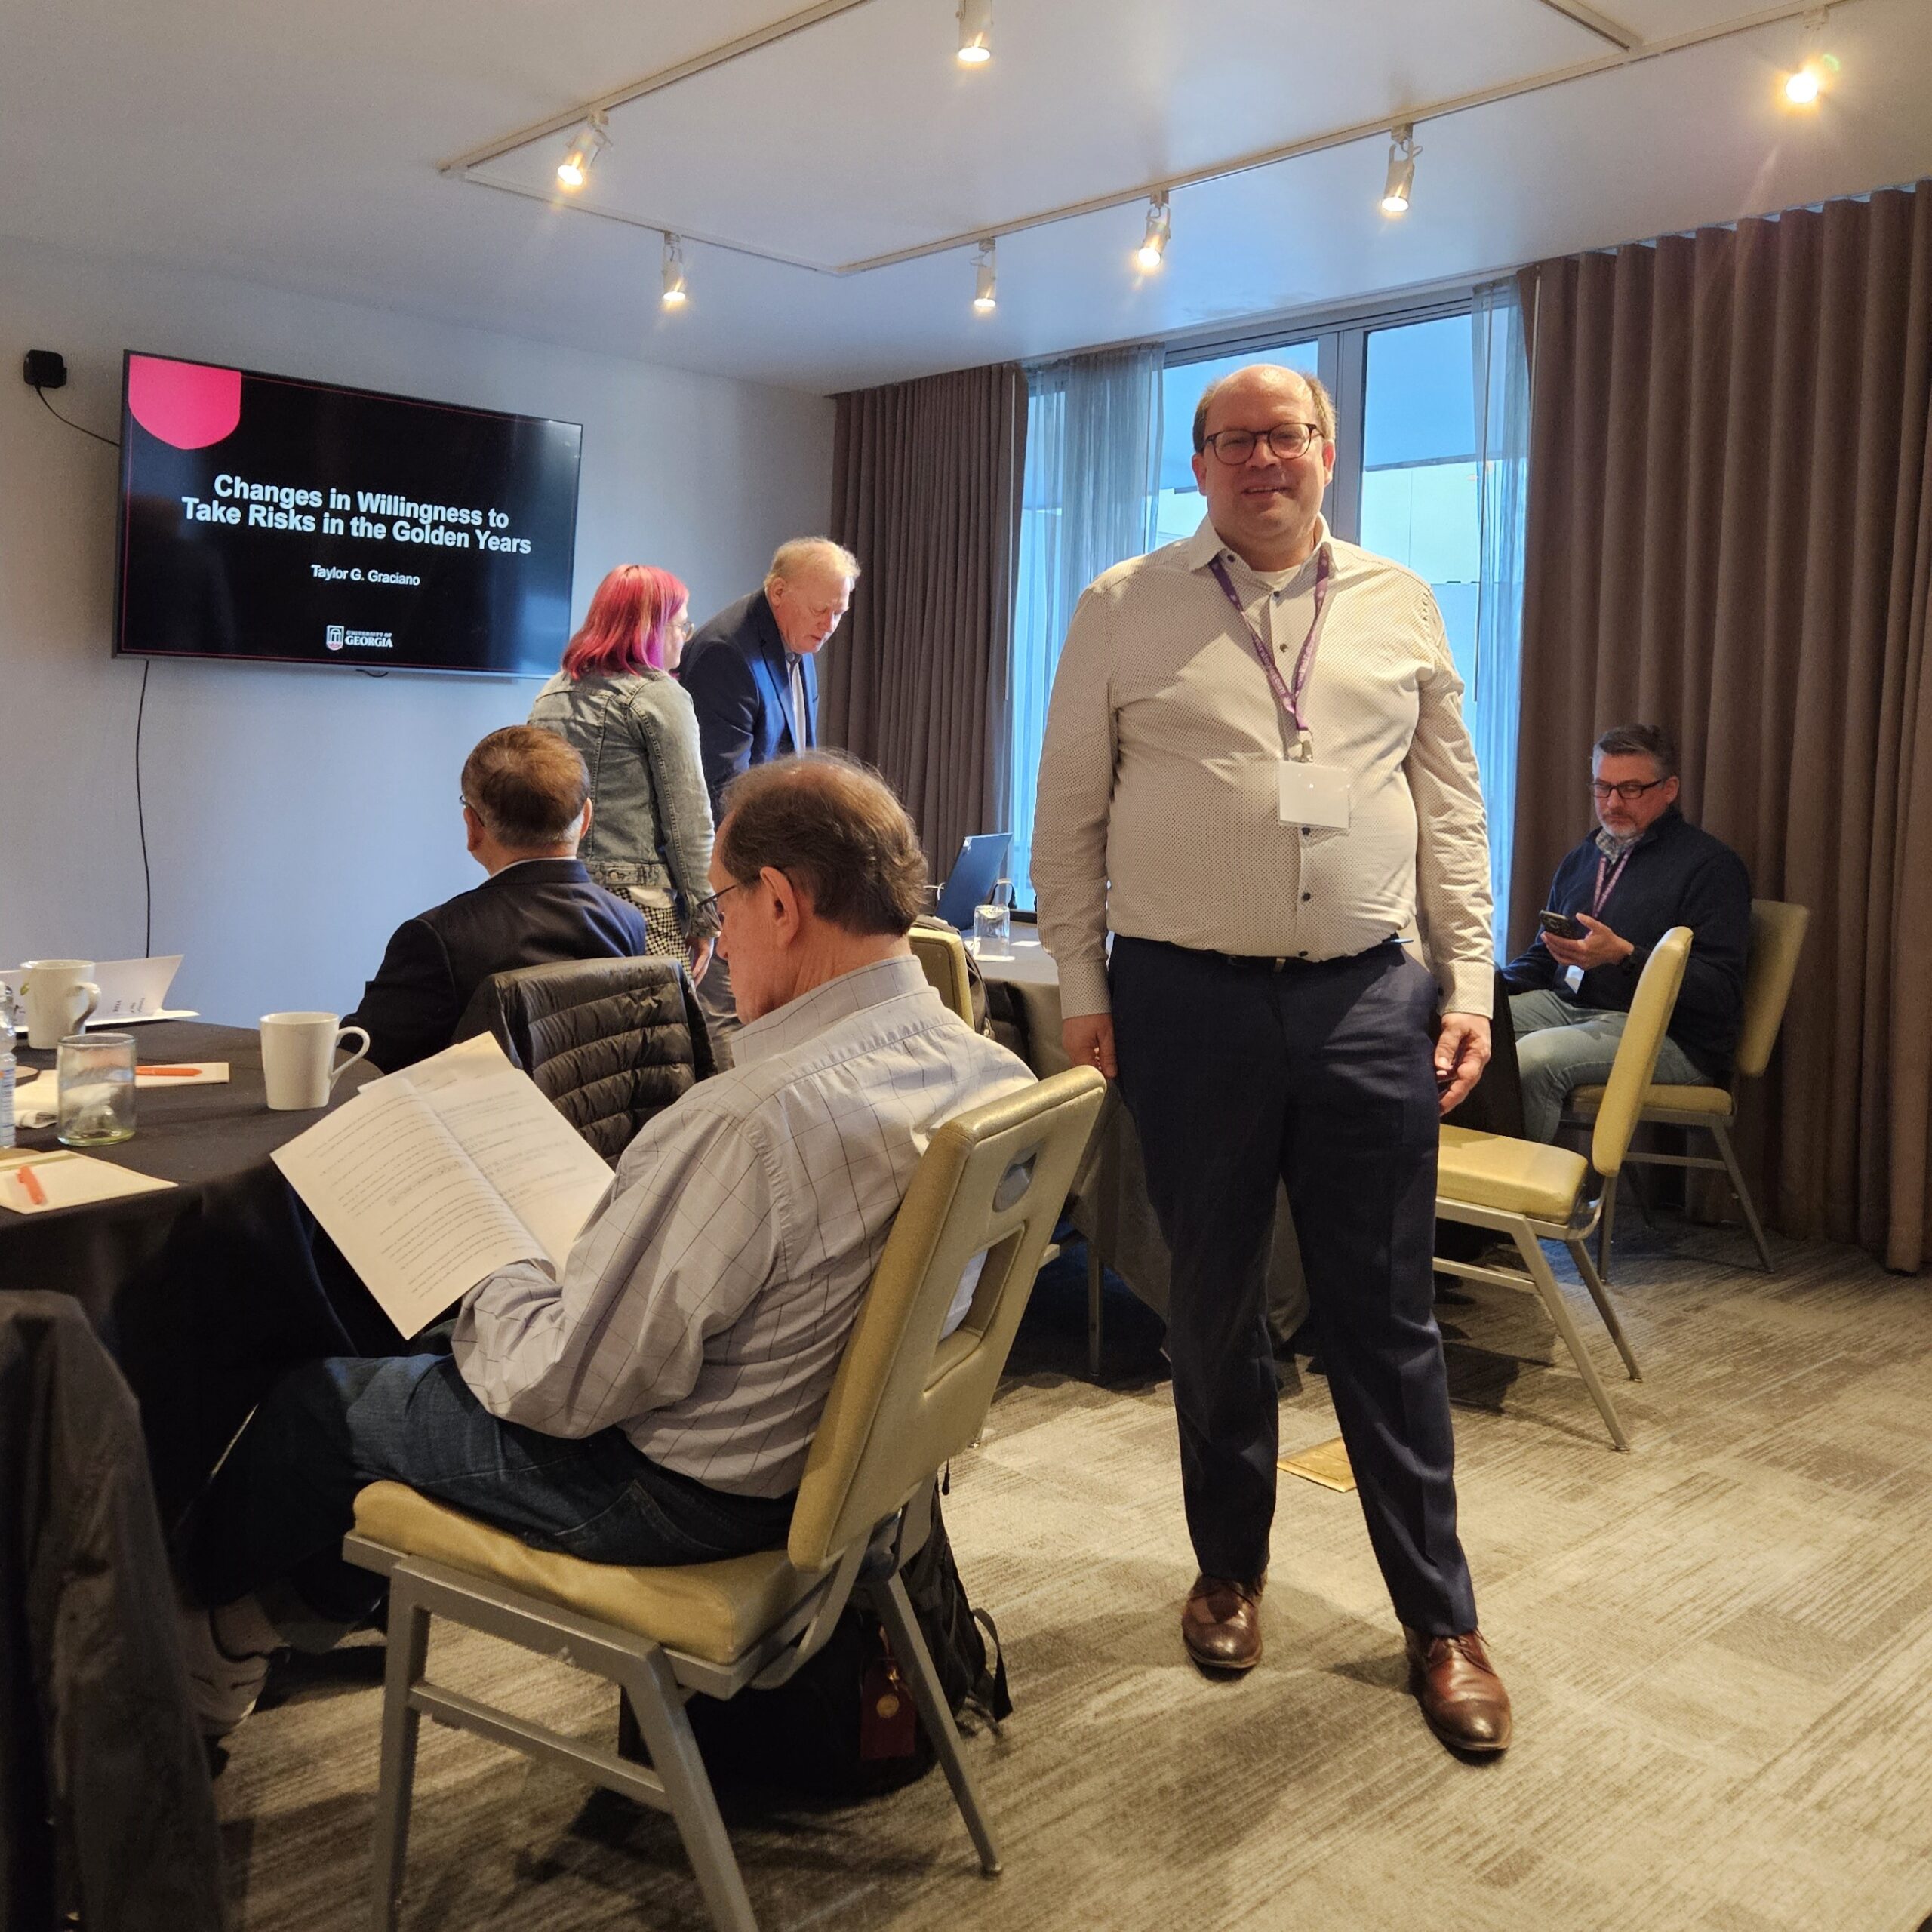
(1313, 794)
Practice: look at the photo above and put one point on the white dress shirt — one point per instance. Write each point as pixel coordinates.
(705, 1307)
(1158, 811)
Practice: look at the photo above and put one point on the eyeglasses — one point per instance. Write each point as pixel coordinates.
(1285, 442)
(680, 629)
(705, 909)
(1630, 790)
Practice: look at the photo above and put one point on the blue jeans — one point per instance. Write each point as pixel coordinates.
(1560, 1048)
(277, 1511)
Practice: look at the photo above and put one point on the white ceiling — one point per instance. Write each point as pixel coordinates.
(298, 145)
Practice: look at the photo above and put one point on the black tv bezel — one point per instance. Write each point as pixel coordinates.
(123, 492)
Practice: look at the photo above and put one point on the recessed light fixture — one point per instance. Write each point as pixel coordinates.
(674, 291)
(985, 283)
(1399, 185)
(1153, 247)
(586, 144)
(976, 32)
(1809, 78)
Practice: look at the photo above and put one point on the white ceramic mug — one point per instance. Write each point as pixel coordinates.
(298, 1050)
(59, 995)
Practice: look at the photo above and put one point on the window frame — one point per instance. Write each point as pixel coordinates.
(1341, 338)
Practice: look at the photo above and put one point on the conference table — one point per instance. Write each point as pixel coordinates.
(1110, 1206)
(207, 1291)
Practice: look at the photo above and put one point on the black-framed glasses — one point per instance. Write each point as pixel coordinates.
(1628, 789)
(1285, 442)
(705, 910)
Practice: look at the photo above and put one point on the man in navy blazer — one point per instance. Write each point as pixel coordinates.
(749, 670)
(525, 805)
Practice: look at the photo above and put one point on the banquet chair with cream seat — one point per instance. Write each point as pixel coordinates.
(905, 1401)
(1777, 938)
(941, 952)
(1532, 1193)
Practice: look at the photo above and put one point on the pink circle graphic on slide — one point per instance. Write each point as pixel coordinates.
(185, 404)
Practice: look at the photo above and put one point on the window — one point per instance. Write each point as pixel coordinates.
(1419, 467)
(1414, 480)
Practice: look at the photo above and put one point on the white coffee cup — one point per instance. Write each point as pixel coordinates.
(59, 995)
(298, 1050)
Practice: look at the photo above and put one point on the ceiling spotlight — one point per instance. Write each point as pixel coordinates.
(586, 144)
(976, 32)
(985, 286)
(1400, 184)
(674, 291)
(1806, 81)
(1154, 243)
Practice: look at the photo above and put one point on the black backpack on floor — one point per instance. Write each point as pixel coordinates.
(844, 1727)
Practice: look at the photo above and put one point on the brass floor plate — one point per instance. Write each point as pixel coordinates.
(1326, 1463)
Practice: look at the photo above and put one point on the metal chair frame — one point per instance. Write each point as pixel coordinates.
(654, 1681)
(1529, 1233)
(1656, 996)
(1769, 977)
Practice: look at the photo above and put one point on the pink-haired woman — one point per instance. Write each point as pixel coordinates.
(615, 701)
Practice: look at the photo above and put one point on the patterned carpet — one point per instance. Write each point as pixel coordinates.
(1719, 1648)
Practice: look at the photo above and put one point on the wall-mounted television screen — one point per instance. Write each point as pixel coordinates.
(265, 518)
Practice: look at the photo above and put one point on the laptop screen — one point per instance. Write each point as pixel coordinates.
(981, 863)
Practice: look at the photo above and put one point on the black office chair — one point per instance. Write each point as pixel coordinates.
(610, 1042)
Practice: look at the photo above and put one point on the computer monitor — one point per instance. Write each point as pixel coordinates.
(981, 862)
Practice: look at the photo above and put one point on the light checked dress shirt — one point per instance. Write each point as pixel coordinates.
(1158, 812)
(705, 1305)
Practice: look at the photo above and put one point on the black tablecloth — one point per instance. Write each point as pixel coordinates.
(207, 1291)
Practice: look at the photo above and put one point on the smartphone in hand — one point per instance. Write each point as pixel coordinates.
(1563, 924)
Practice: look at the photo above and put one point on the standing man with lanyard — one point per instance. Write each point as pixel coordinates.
(1256, 774)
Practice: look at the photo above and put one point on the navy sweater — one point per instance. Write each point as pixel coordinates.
(1677, 875)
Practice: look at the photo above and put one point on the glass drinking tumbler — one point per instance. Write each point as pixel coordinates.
(95, 1074)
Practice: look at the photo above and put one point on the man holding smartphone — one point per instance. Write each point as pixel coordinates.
(1645, 869)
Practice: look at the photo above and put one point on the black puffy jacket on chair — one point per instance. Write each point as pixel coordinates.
(106, 1818)
(612, 1042)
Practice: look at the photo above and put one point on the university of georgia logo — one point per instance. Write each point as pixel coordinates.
(333, 636)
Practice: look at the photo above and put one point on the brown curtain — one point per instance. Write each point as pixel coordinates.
(925, 492)
(1729, 532)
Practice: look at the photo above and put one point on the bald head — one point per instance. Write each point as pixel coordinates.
(1263, 504)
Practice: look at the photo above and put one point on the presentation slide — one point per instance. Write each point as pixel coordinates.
(267, 518)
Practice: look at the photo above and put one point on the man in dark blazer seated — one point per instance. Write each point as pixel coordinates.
(749, 669)
(750, 673)
(526, 802)
(1646, 868)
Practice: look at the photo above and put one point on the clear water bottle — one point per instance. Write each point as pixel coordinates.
(7, 1064)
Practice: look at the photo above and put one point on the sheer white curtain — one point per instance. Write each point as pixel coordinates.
(1093, 471)
(1502, 452)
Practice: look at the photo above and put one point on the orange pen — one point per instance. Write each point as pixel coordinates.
(31, 1181)
(181, 1072)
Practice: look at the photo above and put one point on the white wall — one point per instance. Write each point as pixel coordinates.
(295, 816)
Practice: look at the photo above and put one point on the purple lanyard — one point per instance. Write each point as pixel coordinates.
(1606, 887)
(1288, 696)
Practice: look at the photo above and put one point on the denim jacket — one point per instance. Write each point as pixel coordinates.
(651, 830)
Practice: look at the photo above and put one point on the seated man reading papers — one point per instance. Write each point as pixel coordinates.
(525, 805)
(655, 1404)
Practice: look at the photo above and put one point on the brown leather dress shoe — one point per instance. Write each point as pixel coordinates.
(1220, 1623)
(1462, 1697)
